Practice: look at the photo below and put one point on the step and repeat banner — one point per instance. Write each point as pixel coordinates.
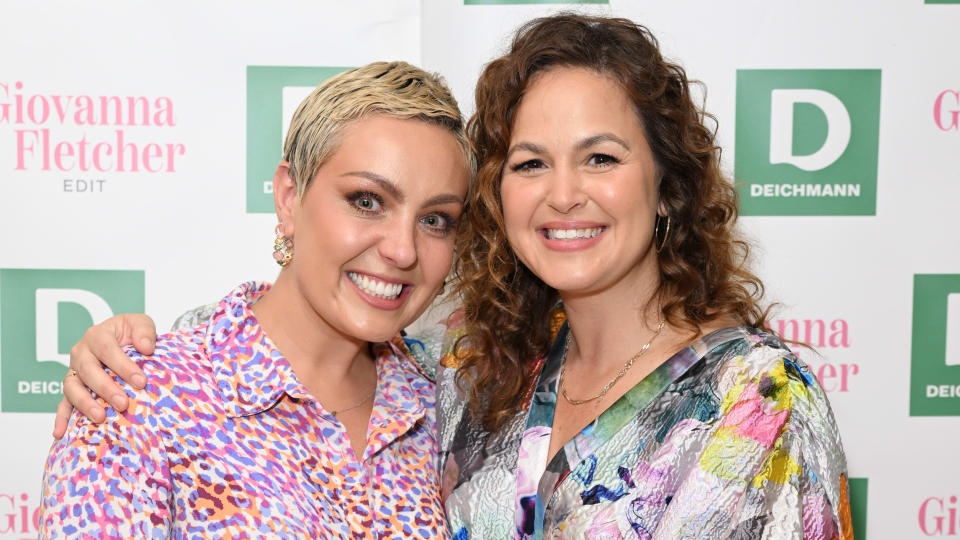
(138, 142)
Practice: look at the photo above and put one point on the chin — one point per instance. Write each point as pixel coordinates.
(565, 281)
(378, 331)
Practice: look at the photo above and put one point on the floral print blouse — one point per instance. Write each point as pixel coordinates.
(225, 442)
(732, 437)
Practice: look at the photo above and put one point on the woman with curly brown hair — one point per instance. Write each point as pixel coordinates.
(610, 374)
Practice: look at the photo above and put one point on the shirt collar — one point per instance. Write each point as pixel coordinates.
(250, 372)
(252, 375)
(404, 396)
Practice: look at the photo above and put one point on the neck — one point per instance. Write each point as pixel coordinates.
(320, 355)
(612, 324)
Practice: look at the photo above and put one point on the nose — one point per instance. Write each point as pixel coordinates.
(565, 190)
(398, 245)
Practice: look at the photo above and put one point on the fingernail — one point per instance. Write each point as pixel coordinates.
(145, 342)
(139, 380)
(118, 401)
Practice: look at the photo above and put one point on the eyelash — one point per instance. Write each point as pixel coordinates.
(608, 160)
(355, 199)
(534, 164)
(449, 223)
(528, 165)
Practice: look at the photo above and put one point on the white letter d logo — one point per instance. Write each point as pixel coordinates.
(47, 332)
(781, 128)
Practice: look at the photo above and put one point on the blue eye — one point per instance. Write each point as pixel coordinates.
(438, 222)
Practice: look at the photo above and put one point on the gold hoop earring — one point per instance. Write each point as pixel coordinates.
(282, 247)
(657, 242)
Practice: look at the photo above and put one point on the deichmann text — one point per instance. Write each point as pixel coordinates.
(39, 387)
(943, 391)
(40, 146)
(805, 190)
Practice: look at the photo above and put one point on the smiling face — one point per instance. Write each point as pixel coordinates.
(579, 186)
(374, 233)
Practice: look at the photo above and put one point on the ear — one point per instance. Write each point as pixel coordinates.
(285, 197)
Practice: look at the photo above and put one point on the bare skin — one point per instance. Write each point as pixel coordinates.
(588, 167)
(382, 206)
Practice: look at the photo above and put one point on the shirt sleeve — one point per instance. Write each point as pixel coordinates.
(107, 481)
(800, 489)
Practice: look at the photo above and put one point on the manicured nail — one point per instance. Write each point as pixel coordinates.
(139, 380)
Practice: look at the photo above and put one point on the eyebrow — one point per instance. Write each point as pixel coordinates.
(395, 192)
(603, 137)
(444, 198)
(381, 181)
(582, 145)
(528, 146)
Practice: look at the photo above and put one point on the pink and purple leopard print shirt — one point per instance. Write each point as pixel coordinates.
(225, 442)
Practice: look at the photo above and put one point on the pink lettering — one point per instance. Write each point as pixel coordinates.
(839, 334)
(924, 522)
(96, 156)
(32, 109)
(28, 523)
(63, 149)
(164, 114)
(84, 107)
(5, 106)
(61, 107)
(19, 101)
(23, 148)
(11, 518)
(121, 148)
(938, 117)
(150, 152)
(180, 149)
(825, 374)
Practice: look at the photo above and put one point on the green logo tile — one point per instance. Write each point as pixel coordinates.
(806, 142)
(42, 314)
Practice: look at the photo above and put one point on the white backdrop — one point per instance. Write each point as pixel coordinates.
(882, 280)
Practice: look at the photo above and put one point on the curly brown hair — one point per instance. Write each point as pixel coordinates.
(702, 268)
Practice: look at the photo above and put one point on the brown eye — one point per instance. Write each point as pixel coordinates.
(528, 166)
(603, 159)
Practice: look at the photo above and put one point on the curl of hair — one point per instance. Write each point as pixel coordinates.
(702, 265)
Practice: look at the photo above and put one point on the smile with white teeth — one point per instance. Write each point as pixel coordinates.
(572, 234)
(375, 287)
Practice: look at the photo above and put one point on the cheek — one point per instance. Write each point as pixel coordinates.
(436, 257)
(517, 210)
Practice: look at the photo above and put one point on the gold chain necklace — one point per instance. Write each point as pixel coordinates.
(623, 371)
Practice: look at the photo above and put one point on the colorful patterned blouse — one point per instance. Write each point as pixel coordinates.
(225, 442)
(732, 437)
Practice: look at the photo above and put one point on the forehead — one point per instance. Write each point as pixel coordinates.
(417, 155)
(571, 98)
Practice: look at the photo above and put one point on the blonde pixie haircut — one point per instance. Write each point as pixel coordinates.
(395, 89)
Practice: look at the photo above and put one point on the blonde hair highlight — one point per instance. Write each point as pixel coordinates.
(395, 89)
